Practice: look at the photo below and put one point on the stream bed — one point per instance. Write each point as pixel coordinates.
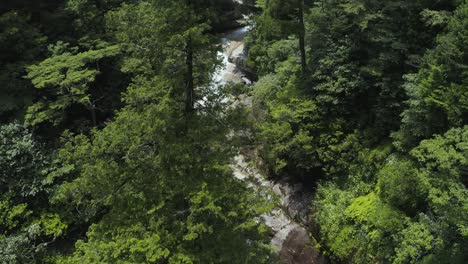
(288, 220)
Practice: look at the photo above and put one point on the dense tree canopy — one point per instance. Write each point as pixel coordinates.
(378, 120)
(29, 223)
(117, 145)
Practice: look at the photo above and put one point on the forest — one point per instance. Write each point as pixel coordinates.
(230, 131)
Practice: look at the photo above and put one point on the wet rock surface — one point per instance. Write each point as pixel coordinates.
(289, 236)
(288, 220)
(295, 199)
(237, 57)
(299, 248)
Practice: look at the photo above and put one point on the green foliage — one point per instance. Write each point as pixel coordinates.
(263, 57)
(397, 185)
(89, 16)
(353, 82)
(65, 79)
(16, 249)
(152, 183)
(27, 178)
(26, 28)
(419, 210)
(282, 111)
(128, 243)
(22, 162)
(280, 19)
(371, 235)
(182, 52)
(164, 186)
(365, 57)
(21, 44)
(438, 91)
(417, 239)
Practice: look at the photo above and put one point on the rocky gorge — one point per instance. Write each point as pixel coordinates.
(289, 220)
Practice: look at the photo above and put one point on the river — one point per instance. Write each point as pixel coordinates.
(287, 221)
(233, 46)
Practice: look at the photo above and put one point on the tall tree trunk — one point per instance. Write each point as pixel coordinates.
(189, 90)
(93, 116)
(302, 36)
(92, 109)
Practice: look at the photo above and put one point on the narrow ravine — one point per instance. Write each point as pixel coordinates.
(289, 218)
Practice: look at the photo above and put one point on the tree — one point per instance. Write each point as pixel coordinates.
(28, 176)
(437, 92)
(21, 44)
(66, 78)
(360, 54)
(154, 185)
(416, 210)
(176, 46)
(289, 17)
(89, 17)
(164, 190)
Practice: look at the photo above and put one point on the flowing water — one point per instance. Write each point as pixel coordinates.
(289, 236)
(233, 46)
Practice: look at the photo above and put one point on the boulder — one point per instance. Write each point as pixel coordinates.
(246, 81)
(298, 248)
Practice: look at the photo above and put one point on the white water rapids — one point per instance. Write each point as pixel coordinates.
(233, 46)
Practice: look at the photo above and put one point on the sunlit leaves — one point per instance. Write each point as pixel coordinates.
(65, 79)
